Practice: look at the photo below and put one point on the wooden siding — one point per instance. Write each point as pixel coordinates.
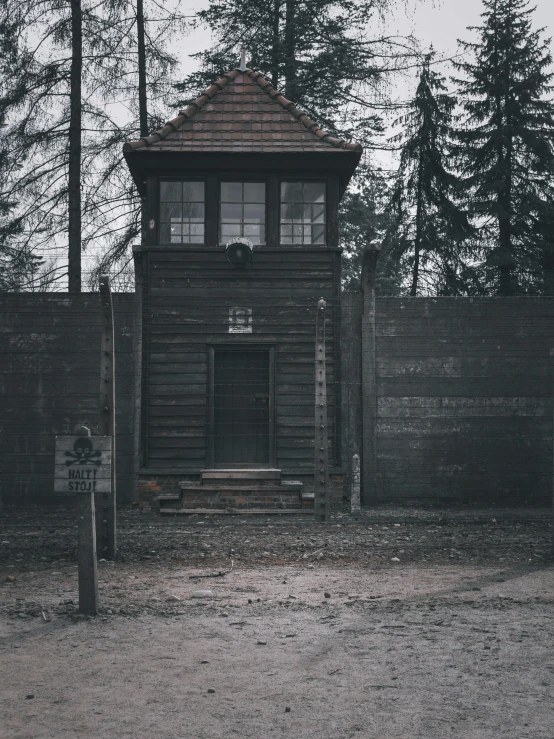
(188, 295)
(50, 382)
(464, 398)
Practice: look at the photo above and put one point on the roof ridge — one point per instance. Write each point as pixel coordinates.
(173, 125)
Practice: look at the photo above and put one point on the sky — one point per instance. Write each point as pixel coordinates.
(442, 22)
(436, 22)
(439, 23)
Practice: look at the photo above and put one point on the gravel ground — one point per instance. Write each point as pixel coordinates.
(402, 623)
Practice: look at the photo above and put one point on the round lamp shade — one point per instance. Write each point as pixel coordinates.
(238, 252)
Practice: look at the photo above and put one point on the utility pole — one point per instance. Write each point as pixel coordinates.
(321, 453)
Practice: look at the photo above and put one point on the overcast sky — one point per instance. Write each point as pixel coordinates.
(436, 22)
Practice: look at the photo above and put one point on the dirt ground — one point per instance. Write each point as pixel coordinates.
(403, 623)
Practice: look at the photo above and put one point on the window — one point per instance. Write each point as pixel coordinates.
(302, 213)
(182, 212)
(243, 211)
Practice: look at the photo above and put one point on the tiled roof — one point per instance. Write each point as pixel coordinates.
(241, 112)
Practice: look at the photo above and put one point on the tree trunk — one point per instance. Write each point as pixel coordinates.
(506, 284)
(74, 163)
(275, 44)
(142, 99)
(290, 61)
(419, 226)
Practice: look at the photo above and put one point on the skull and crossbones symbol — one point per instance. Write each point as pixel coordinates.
(83, 454)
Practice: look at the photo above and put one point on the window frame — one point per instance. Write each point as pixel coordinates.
(308, 180)
(243, 180)
(163, 179)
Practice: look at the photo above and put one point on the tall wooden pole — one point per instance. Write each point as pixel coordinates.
(86, 549)
(369, 376)
(552, 368)
(141, 52)
(321, 442)
(74, 146)
(105, 502)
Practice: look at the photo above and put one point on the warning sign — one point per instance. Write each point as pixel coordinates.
(83, 464)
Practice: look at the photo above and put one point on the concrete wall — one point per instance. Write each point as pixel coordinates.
(464, 398)
(50, 383)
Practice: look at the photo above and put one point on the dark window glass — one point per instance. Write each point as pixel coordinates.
(182, 212)
(302, 213)
(243, 211)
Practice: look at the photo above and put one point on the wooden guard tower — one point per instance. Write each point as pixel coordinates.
(240, 241)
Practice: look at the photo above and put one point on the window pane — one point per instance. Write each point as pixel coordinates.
(170, 211)
(193, 192)
(252, 231)
(297, 230)
(314, 192)
(318, 213)
(254, 192)
(318, 235)
(228, 230)
(197, 229)
(170, 191)
(254, 213)
(291, 212)
(231, 212)
(291, 192)
(286, 230)
(194, 211)
(231, 192)
(176, 230)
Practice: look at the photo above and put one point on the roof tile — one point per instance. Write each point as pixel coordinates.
(241, 112)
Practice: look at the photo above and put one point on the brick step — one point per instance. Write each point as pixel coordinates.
(236, 511)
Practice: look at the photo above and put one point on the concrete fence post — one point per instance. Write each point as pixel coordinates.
(369, 376)
(355, 493)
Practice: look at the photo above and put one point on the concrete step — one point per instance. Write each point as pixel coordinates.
(194, 487)
(241, 475)
(235, 511)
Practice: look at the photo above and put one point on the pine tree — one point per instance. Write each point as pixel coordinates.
(17, 267)
(65, 177)
(363, 219)
(429, 233)
(319, 52)
(505, 151)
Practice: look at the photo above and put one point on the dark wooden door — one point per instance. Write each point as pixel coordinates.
(241, 406)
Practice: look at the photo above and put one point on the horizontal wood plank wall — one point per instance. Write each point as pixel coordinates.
(465, 398)
(190, 294)
(49, 381)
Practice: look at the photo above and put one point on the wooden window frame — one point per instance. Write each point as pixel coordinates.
(179, 244)
(244, 178)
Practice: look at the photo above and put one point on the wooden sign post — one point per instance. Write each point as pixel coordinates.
(321, 458)
(106, 539)
(83, 467)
